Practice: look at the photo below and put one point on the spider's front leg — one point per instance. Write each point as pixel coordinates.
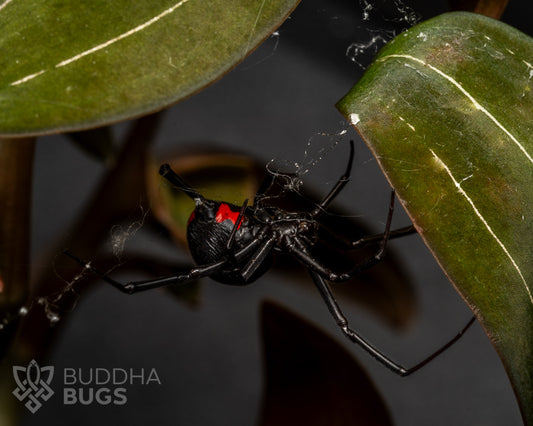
(181, 278)
(136, 286)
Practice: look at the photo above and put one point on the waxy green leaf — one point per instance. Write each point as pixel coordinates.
(67, 65)
(447, 108)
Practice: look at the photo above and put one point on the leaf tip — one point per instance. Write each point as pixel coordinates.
(354, 119)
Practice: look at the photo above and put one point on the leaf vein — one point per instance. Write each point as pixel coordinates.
(123, 35)
(4, 4)
(483, 220)
(468, 95)
(102, 45)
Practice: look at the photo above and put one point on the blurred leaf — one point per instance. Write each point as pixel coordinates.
(311, 379)
(447, 108)
(68, 65)
(217, 175)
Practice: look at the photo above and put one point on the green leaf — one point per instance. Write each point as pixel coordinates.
(69, 65)
(447, 108)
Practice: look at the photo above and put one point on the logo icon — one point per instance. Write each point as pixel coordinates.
(33, 384)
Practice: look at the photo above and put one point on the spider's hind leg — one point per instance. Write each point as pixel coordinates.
(342, 322)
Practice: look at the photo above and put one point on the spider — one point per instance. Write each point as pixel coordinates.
(236, 245)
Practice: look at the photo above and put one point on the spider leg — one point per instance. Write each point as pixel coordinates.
(342, 322)
(387, 235)
(341, 183)
(299, 250)
(231, 238)
(192, 274)
(343, 244)
(257, 259)
(383, 245)
(396, 233)
(169, 174)
(136, 286)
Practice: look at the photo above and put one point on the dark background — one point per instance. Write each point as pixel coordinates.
(209, 360)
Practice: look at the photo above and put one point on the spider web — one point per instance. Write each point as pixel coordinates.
(119, 235)
(386, 19)
(291, 173)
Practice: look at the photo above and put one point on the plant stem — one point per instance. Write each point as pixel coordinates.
(109, 206)
(16, 166)
(491, 8)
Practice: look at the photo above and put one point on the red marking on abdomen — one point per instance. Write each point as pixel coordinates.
(225, 213)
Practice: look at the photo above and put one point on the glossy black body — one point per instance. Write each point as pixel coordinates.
(208, 237)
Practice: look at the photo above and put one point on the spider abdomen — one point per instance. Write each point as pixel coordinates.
(209, 229)
(207, 243)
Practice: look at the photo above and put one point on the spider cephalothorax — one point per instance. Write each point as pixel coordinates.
(235, 245)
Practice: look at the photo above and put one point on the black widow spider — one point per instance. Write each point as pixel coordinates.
(235, 245)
